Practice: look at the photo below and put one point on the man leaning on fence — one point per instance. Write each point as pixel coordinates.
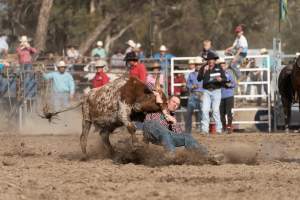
(213, 78)
(63, 86)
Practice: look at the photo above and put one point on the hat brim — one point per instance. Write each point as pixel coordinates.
(100, 66)
(62, 66)
(212, 58)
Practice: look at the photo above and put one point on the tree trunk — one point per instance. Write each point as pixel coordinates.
(92, 6)
(42, 27)
(92, 37)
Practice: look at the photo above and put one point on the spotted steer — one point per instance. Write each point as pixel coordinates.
(112, 106)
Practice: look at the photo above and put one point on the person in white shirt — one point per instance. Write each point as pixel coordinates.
(239, 50)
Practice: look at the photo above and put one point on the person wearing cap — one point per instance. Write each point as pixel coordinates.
(136, 68)
(195, 91)
(101, 77)
(131, 44)
(25, 53)
(155, 71)
(63, 86)
(99, 50)
(227, 99)
(239, 50)
(163, 57)
(213, 77)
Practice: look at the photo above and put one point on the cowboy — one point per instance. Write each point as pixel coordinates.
(161, 128)
(25, 53)
(227, 99)
(99, 50)
(239, 50)
(139, 52)
(163, 57)
(195, 90)
(100, 77)
(135, 68)
(131, 44)
(155, 71)
(63, 86)
(213, 78)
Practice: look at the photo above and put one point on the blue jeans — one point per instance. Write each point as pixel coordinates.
(234, 66)
(194, 102)
(60, 100)
(155, 133)
(30, 85)
(211, 101)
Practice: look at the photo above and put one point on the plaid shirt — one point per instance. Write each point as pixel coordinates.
(159, 116)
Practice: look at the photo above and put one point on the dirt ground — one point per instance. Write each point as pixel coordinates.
(258, 166)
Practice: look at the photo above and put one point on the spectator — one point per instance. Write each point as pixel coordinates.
(100, 51)
(101, 77)
(195, 90)
(264, 51)
(179, 79)
(139, 52)
(25, 53)
(63, 86)
(163, 57)
(162, 128)
(227, 101)
(131, 44)
(117, 60)
(72, 54)
(3, 46)
(136, 69)
(206, 48)
(239, 50)
(213, 78)
(151, 78)
(255, 76)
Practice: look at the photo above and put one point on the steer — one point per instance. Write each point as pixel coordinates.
(112, 105)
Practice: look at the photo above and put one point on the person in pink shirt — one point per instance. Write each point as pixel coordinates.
(25, 53)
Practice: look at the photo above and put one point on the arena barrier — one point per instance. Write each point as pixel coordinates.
(264, 120)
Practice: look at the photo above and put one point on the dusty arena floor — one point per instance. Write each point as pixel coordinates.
(258, 166)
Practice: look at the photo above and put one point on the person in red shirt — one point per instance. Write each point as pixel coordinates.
(101, 77)
(137, 69)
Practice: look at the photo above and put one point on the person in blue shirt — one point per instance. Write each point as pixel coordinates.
(227, 98)
(195, 90)
(163, 57)
(63, 88)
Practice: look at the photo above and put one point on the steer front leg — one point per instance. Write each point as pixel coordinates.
(124, 116)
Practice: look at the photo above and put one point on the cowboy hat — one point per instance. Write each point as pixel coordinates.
(61, 64)
(198, 60)
(99, 43)
(221, 61)
(100, 63)
(131, 56)
(163, 48)
(138, 45)
(156, 65)
(263, 51)
(211, 55)
(131, 43)
(191, 61)
(24, 39)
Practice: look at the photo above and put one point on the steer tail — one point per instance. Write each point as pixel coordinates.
(49, 115)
